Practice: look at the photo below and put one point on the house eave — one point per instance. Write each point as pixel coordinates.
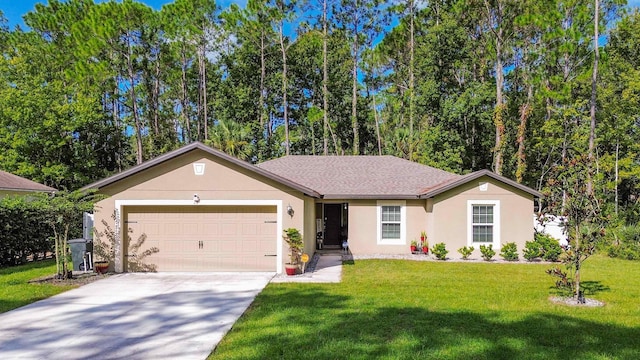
(370, 197)
(199, 146)
(476, 175)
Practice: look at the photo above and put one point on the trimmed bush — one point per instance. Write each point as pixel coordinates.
(487, 252)
(440, 251)
(23, 231)
(624, 242)
(543, 246)
(531, 250)
(550, 249)
(466, 252)
(509, 251)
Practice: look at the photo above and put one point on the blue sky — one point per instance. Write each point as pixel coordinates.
(14, 9)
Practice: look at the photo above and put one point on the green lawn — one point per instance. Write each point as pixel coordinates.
(15, 290)
(442, 310)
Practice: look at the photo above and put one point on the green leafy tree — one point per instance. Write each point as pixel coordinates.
(64, 215)
(567, 195)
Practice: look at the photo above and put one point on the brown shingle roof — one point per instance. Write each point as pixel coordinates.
(16, 183)
(355, 177)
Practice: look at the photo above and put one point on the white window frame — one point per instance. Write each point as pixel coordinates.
(403, 222)
(496, 221)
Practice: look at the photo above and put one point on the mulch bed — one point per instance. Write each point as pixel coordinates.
(78, 279)
(573, 302)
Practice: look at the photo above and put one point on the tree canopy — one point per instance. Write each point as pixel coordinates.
(92, 88)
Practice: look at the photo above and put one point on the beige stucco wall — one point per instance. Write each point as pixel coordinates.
(175, 180)
(309, 233)
(450, 218)
(363, 227)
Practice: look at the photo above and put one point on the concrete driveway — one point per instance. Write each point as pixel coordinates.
(132, 316)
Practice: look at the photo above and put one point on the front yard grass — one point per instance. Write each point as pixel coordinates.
(394, 309)
(15, 289)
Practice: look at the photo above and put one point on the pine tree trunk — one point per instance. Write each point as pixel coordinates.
(411, 80)
(284, 89)
(134, 107)
(325, 80)
(594, 94)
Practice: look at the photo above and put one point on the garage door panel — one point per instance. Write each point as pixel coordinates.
(208, 238)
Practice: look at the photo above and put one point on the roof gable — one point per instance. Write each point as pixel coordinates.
(428, 193)
(13, 182)
(193, 147)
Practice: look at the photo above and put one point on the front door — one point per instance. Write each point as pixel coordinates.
(332, 224)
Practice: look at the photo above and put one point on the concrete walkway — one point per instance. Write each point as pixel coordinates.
(132, 316)
(328, 270)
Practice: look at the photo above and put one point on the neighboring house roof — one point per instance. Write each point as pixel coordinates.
(431, 192)
(359, 177)
(16, 183)
(199, 146)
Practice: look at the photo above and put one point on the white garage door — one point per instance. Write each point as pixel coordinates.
(203, 238)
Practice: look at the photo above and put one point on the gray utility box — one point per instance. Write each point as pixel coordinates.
(81, 254)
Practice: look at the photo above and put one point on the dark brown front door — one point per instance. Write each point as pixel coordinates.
(332, 224)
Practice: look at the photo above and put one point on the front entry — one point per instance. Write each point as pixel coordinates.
(335, 224)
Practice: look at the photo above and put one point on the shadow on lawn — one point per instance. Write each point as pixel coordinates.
(321, 326)
(588, 288)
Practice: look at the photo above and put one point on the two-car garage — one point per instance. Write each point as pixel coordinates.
(197, 209)
(203, 238)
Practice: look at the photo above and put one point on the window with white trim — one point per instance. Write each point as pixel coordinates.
(483, 223)
(391, 222)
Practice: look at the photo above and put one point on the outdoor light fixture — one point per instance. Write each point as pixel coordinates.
(196, 199)
(290, 210)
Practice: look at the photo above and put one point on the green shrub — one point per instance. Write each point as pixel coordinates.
(440, 251)
(487, 252)
(531, 250)
(509, 251)
(466, 252)
(624, 242)
(550, 249)
(23, 231)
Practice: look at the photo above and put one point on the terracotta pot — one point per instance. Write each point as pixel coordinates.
(425, 249)
(101, 267)
(413, 248)
(291, 269)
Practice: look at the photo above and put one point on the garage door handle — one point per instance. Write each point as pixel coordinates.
(270, 255)
(271, 221)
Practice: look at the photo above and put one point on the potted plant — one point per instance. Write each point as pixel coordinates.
(414, 246)
(101, 267)
(423, 236)
(425, 246)
(293, 238)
